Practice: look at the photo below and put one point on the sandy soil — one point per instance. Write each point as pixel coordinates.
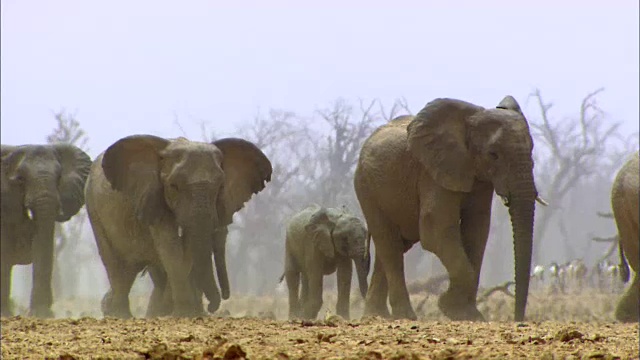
(272, 339)
(572, 326)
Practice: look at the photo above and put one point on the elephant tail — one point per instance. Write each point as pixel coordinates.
(281, 278)
(624, 266)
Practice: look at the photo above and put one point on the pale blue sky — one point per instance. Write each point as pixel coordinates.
(126, 67)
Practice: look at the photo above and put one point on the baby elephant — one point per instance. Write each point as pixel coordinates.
(319, 241)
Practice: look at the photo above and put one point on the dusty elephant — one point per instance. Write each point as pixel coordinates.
(625, 203)
(162, 204)
(431, 178)
(321, 241)
(41, 185)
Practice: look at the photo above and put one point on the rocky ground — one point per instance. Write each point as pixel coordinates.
(560, 327)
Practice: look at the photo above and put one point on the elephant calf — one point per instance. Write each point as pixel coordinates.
(625, 205)
(320, 240)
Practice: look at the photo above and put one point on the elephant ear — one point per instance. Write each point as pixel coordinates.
(247, 170)
(437, 139)
(75, 165)
(510, 103)
(10, 203)
(132, 166)
(320, 228)
(350, 236)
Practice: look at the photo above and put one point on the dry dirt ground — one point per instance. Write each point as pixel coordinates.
(572, 326)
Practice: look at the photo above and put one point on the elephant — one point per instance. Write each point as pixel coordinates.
(431, 178)
(321, 241)
(163, 205)
(41, 185)
(625, 203)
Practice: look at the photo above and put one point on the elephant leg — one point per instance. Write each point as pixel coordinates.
(157, 304)
(293, 284)
(115, 302)
(458, 302)
(344, 274)
(376, 299)
(174, 257)
(5, 288)
(304, 292)
(390, 254)
(121, 275)
(313, 302)
(440, 233)
(474, 231)
(392, 259)
(627, 309)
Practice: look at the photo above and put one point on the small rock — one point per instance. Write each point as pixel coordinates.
(372, 355)
(187, 338)
(566, 335)
(325, 337)
(234, 352)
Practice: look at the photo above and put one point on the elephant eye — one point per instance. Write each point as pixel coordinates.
(17, 179)
(493, 155)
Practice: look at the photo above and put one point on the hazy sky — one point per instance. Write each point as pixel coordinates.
(126, 67)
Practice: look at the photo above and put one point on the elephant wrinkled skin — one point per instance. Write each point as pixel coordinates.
(41, 185)
(625, 202)
(164, 205)
(320, 241)
(431, 178)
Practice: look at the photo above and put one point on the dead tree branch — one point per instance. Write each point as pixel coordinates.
(504, 288)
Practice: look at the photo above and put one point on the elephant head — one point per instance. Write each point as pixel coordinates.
(42, 184)
(335, 232)
(43, 178)
(196, 187)
(460, 143)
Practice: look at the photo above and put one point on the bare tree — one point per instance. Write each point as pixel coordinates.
(68, 235)
(570, 153)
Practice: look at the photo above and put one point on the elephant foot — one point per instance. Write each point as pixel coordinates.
(41, 312)
(110, 309)
(456, 310)
(153, 312)
(627, 314)
(403, 312)
(374, 311)
(188, 311)
(119, 314)
(213, 306)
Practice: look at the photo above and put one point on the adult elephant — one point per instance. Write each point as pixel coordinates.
(625, 202)
(41, 185)
(431, 178)
(319, 242)
(164, 204)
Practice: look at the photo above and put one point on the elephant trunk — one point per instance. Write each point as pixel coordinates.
(219, 249)
(202, 222)
(362, 271)
(521, 209)
(44, 212)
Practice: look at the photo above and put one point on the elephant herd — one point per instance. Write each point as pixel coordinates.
(163, 206)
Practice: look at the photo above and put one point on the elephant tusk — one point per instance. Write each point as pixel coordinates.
(505, 200)
(179, 231)
(542, 201)
(30, 214)
(61, 213)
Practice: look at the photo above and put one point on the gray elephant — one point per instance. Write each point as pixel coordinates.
(431, 178)
(41, 185)
(625, 202)
(164, 205)
(320, 241)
